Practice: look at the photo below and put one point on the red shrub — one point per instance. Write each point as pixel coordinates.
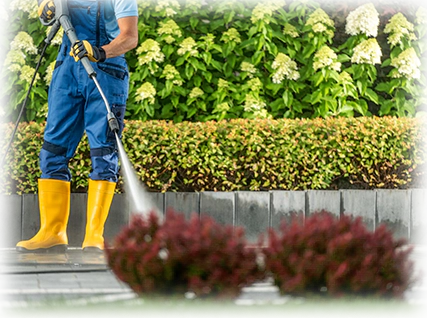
(339, 254)
(198, 255)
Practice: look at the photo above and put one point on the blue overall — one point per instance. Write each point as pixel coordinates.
(75, 104)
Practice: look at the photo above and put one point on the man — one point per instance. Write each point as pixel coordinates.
(106, 29)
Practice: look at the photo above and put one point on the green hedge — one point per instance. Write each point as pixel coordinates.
(246, 154)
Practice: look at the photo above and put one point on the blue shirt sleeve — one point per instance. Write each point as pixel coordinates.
(125, 8)
(116, 9)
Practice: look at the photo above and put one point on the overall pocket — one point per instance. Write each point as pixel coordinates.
(114, 70)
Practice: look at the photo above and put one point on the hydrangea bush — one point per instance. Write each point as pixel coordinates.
(211, 60)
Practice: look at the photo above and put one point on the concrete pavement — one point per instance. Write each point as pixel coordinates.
(80, 280)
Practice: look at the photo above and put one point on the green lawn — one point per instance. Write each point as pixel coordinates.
(170, 309)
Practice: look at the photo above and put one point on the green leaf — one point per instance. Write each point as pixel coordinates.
(386, 108)
(287, 98)
(257, 57)
(180, 61)
(207, 76)
(197, 80)
(260, 44)
(175, 101)
(189, 71)
(150, 110)
(194, 21)
(228, 16)
(207, 57)
(372, 96)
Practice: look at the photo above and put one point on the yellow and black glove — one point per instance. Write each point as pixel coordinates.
(46, 10)
(83, 48)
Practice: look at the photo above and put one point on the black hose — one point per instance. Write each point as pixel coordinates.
(47, 41)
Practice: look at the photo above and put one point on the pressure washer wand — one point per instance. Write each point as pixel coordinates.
(61, 15)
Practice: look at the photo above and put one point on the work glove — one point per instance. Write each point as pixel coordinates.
(46, 10)
(83, 48)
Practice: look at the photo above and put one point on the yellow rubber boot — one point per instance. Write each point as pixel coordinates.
(100, 196)
(54, 205)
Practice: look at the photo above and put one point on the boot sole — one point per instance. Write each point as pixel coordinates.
(93, 249)
(54, 249)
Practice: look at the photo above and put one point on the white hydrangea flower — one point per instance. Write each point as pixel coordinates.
(253, 103)
(142, 4)
(57, 40)
(264, 11)
(231, 35)
(168, 6)
(421, 16)
(169, 39)
(23, 42)
(249, 68)
(172, 74)
(162, 4)
(284, 68)
(149, 51)
(188, 45)
(49, 73)
(14, 68)
(14, 57)
(320, 16)
(321, 23)
(260, 12)
(170, 27)
(196, 92)
(319, 28)
(223, 84)
(399, 28)
(3, 13)
(367, 52)
(222, 107)
(28, 6)
(407, 64)
(326, 57)
(193, 4)
(290, 30)
(170, 12)
(363, 20)
(27, 73)
(146, 92)
(262, 113)
(209, 39)
(255, 84)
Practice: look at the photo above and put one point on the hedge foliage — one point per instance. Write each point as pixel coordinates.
(242, 154)
(221, 59)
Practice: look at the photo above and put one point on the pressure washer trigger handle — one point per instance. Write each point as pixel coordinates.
(112, 122)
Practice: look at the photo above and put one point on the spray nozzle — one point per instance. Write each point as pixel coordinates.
(112, 122)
